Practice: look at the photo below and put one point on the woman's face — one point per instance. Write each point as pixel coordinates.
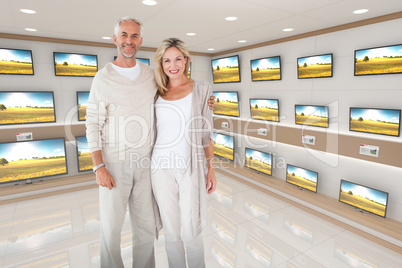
(173, 62)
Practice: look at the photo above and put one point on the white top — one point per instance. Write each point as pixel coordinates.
(131, 73)
(172, 124)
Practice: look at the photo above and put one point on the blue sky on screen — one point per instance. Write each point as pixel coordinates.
(13, 99)
(315, 59)
(145, 61)
(265, 63)
(365, 192)
(16, 55)
(376, 114)
(75, 59)
(225, 62)
(379, 52)
(260, 156)
(224, 140)
(226, 96)
(273, 104)
(312, 110)
(26, 150)
(304, 173)
(83, 98)
(82, 144)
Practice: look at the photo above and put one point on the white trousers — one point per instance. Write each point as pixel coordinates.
(172, 192)
(133, 189)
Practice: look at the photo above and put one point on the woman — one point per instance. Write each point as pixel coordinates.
(179, 179)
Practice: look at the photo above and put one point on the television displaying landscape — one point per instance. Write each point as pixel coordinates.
(264, 109)
(69, 64)
(266, 69)
(189, 71)
(226, 103)
(16, 61)
(226, 70)
(26, 107)
(314, 66)
(223, 145)
(84, 156)
(364, 198)
(25, 160)
(311, 115)
(377, 121)
(259, 161)
(379, 60)
(82, 103)
(302, 177)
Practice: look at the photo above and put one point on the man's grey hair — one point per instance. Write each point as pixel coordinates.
(127, 18)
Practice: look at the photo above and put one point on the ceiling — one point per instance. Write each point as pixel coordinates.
(258, 20)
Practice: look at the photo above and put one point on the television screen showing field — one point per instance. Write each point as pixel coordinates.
(226, 70)
(364, 198)
(26, 107)
(266, 69)
(15, 61)
(223, 145)
(84, 156)
(377, 121)
(264, 109)
(312, 115)
(301, 177)
(226, 103)
(259, 161)
(315, 66)
(67, 64)
(383, 60)
(82, 102)
(32, 159)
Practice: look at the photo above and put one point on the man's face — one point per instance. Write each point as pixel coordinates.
(129, 39)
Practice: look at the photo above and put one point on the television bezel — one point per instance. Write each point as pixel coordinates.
(245, 149)
(78, 108)
(78, 158)
(30, 51)
(238, 66)
(40, 177)
(280, 69)
(316, 185)
(313, 106)
(332, 66)
(251, 116)
(361, 185)
(25, 123)
(399, 124)
(238, 103)
(354, 60)
(54, 63)
(233, 155)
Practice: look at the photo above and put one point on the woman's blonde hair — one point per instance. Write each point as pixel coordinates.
(161, 78)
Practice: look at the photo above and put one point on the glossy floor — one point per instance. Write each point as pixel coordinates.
(246, 228)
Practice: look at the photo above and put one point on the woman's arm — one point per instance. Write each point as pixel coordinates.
(211, 179)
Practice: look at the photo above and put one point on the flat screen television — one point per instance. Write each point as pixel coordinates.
(34, 159)
(223, 145)
(82, 103)
(84, 156)
(376, 121)
(72, 64)
(189, 71)
(16, 61)
(318, 66)
(364, 198)
(226, 70)
(301, 177)
(378, 60)
(26, 107)
(265, 109)
(259, 161)
(266, 69)
(143, 60)
(311, 115)
(226, 103)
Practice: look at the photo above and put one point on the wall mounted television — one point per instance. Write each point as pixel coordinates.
(311, 115)
(72, 64)
(318, 66)
(265, 109)
(189, 71)
(82, 103)
(223, 145)
(26, 107)
(143, 60)
(83, 155)
(378, 60)
(301, 177)
(16, 61)
(266, 69)
(376, 121)
(34, 159)
(364, 198)
(259, 161)
(226, 103)
(226, 70)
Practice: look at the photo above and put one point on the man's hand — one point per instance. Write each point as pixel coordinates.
(104, 179)
(211, 181)
(211, 102)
